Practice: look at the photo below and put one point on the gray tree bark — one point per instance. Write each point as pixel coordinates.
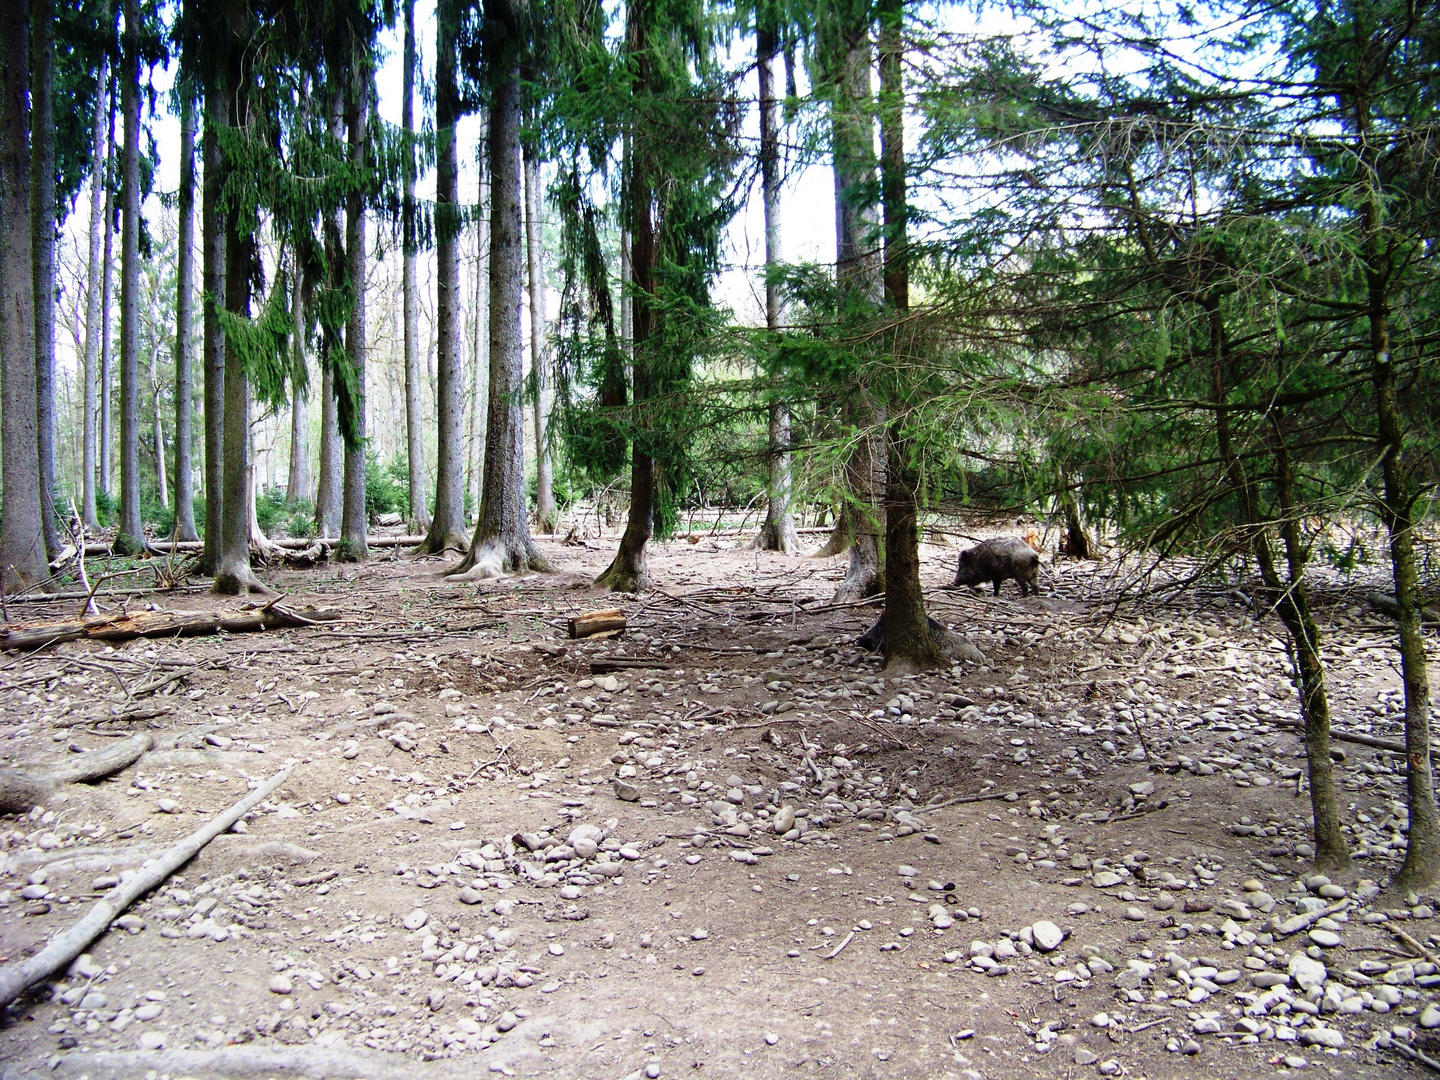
(911, 643)
(629, 571)
(414, 422)
(298, 478)
(501, 543)
(22, 542)
(778, 532)
(858, 271)
(130, 538)
(161, 482)
(332, 455)
(107, 352)
(328, 493)
(539, 347)
(93, 331)
(212, 256)
(184, 323)
(233, 574)
(447, 526)
(480, 349)
(353, 547)
(42, 252)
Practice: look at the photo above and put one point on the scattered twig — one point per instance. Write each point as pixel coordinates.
(839, 948)
(983, 797)
(1413, 1055)
(88, 608)
(1148, 1025)
(317, 879)
(1420, 949)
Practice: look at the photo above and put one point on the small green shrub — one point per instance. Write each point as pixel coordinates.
(270, 510)
(301, 526)
(107, 506)
(387, 490)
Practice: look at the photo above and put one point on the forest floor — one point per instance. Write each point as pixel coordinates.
(1073, 860)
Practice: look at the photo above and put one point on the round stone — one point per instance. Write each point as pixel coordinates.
(1047, 935)
(281, 984)
(416, 919)
(1326, 939)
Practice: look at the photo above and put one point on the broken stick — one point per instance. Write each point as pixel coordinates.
(20, 789)
(15, 979)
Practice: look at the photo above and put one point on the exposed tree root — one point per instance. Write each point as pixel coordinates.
(20, 789)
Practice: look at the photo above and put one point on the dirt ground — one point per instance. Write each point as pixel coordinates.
(1080, 858)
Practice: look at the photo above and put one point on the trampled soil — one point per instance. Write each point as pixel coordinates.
(1127, 776)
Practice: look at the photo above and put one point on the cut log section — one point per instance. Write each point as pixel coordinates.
(609, 621)
(20, 789)
(162, 624)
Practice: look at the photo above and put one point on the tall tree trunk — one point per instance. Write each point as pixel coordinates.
(233, 574)
(629, 571)
(1289, 599)
(130, 537)
(332, 453)
(42, 252)
(353, 519)
(298, 478)
(328, 494)
(539, 349)
(910, 644)
(155, 395)
(480, 381)
(1398, 496)
(858, 272)
(778, 532)
(22, 540)
(1077, 540)
(501, 542)
(1331, 853)
(93, 331)
(212, 351)
(184, 320)
(107, 276)
(414, 434)
(447, 525)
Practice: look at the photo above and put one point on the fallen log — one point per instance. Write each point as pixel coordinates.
(145, 624)
(604, 665)
(1429, 614)
(1393, 745)
(20, 789)
(610, 620)
(15, 979)
(133, 716)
